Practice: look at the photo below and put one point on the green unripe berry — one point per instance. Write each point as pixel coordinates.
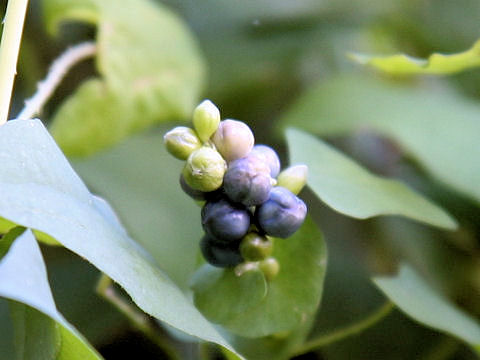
(293, 178)
(181, 142)
(245, 267)
(206, 118)
(270, 268)
(204, 169)
(233, 139)
(254, 247)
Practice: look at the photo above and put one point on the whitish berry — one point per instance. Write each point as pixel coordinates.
(269, 156)
(233, 139)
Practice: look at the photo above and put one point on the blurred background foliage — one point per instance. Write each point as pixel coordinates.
(261, 56)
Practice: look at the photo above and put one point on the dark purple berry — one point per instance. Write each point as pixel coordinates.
(282, 214)
(220, 254)
(225, 221)
(247, 181)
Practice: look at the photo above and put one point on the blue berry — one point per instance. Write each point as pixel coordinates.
(225, 221)
(220, 254)
(269, 156)
(247, 181)
(282, 214)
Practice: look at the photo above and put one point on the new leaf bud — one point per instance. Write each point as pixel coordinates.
(293, 178)
(204, 169)
(233, 139)
(181, 142)
(206, 118)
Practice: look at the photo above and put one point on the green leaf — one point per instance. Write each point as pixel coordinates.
(45, 193)
(36, 335)
(152, 71)
(221, 295)
(435, 64)
(58, 11)
(156, 212)
(416, 299)
(350, 189)
(438, 128)
(7, 240)
(291, 299)
(41, 332)
(94, 109)
(155, 61)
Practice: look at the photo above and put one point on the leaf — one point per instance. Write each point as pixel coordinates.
(291, 299)
(6, 332)
(7, 240)
(152, 71)
(156, 212)
(36, 335)
(439, 129)
(435, 64)
(44, 193)
(156, 60)
(59, 11)
(221, 295)
(352, 190)
(94, 109)
(420, 302)
(41, 331)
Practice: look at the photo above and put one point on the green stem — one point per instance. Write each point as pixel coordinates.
(9, 49)
(140, 320)
(347, 331)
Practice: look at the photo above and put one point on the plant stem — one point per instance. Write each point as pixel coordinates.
(9, 49)
(347, 331)
(140, 320)
(59, 68)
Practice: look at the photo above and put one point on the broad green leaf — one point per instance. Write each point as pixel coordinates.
(292, 297)
(437, 128)
(7, 240)
(156, 212)
(59, 11)
(94, 109)
(350, 189)
(221, 294)
(415, 298)
(36, 335)
(151, 71)
(6, 332)
(435, 64)
(155, 61)
(41, 332)
(45, 193)
(278, 346)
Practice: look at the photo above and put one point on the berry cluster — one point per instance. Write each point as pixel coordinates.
(246, 199)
